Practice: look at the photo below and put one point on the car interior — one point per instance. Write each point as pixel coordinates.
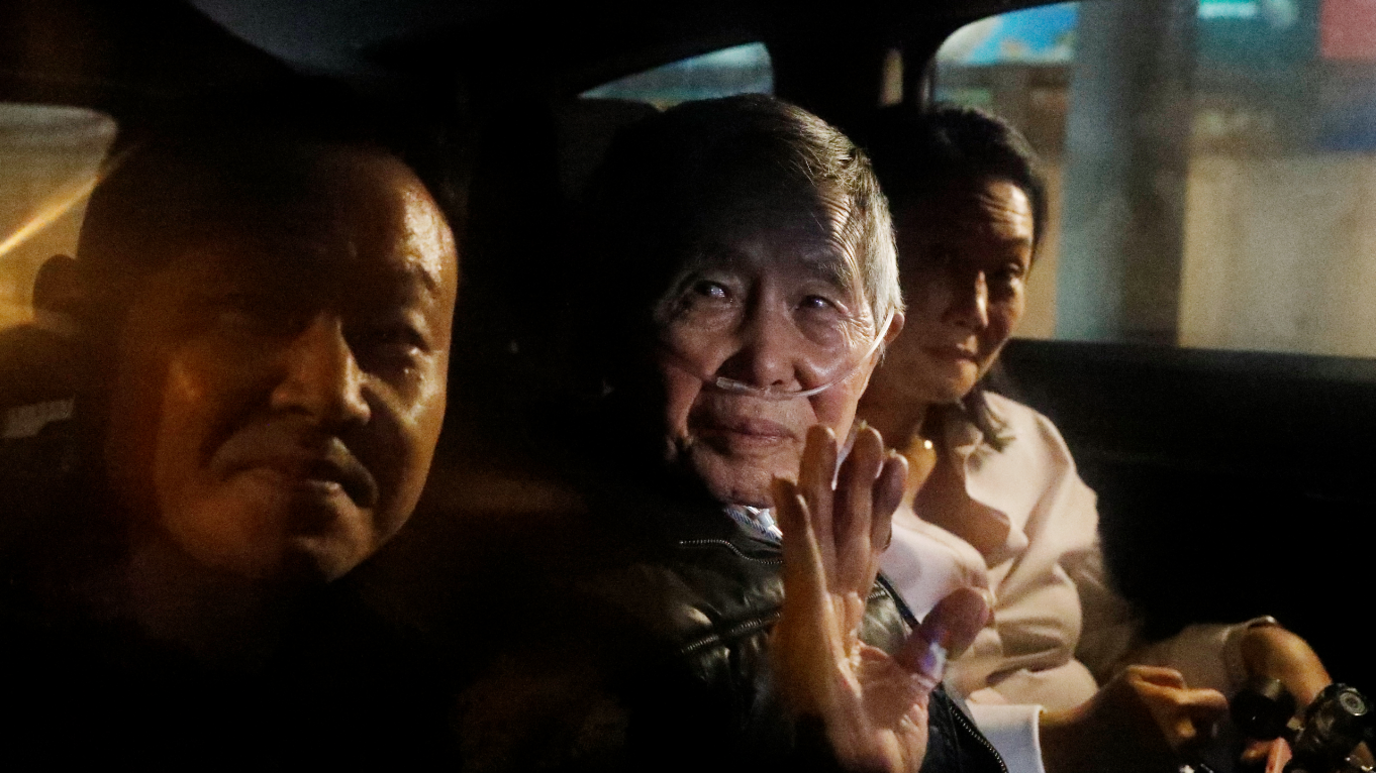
(1203, 316)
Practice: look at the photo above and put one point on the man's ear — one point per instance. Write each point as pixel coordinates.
(895, 327)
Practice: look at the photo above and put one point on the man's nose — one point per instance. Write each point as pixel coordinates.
(323, 379)
(969, 302)
(765, 352)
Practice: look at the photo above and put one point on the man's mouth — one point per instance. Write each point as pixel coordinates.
(743, 433)
(321, 478)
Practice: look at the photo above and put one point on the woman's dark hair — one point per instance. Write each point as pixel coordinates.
(918, 154)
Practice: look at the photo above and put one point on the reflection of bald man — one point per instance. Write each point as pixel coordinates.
(37, 362)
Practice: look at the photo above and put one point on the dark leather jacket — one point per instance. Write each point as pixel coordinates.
(635, 638)
(663, 651)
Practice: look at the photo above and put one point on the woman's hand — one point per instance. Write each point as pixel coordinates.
(872, 705)
(1271, 651)
(1144, 719)
(1274, 652)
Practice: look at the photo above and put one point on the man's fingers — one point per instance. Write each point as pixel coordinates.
(806, 601)
(947, 631)
(888, 495)
(854, 502)
(816, 474)
(804, 573)
(855, 484)
(803, 639)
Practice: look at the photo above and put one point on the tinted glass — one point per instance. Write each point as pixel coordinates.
(48, 161)
(738, 70)
(1211, 163)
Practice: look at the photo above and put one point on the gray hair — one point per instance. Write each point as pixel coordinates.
(661, 172)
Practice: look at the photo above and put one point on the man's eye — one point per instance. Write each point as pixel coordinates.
(257, 313)
(819, 303)
(389, 353)
(394, 342)
(712, 290)
(703, 296)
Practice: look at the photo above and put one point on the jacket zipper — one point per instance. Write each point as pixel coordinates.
(970, 730)
(697, 543)
(738, 630)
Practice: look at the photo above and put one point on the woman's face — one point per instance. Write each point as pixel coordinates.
(963, 257)
(766, 298)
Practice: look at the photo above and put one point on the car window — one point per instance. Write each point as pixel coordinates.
(1210, 167)
(49, 156)
(743, 69)
(586, 125)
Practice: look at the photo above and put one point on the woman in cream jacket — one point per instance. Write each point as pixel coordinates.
(1003, 509)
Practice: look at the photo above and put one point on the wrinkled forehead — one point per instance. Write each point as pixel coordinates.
(796, 228)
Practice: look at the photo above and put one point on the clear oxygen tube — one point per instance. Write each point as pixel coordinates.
(826, 365)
